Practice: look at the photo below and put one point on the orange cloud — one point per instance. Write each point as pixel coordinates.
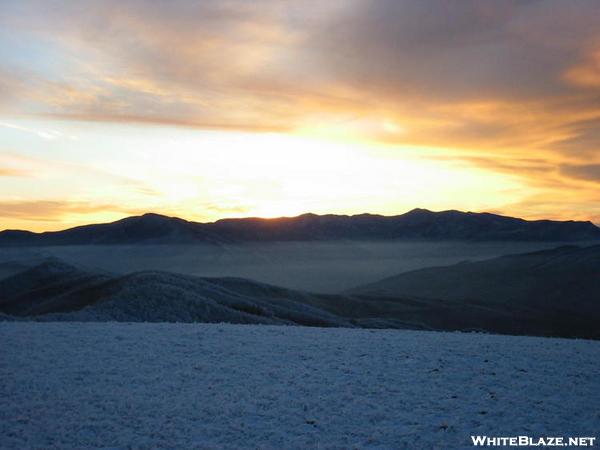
(50, 210)
(586, 74)
(510, 87)
(10, 172)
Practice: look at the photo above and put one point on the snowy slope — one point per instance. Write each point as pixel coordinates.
(115, 385)
(56, 291)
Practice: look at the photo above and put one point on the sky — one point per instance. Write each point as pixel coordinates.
(231, 108)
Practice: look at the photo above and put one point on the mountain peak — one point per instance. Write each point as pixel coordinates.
(156, 217)
(418, 211)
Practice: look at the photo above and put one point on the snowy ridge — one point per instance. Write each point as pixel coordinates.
(58, 291)
(55, 291)
(166, 297)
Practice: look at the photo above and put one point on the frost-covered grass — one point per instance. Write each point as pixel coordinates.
(91, 385)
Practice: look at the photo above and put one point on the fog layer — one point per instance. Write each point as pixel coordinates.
(314, 266)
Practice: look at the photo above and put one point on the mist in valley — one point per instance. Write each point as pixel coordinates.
(324, 267)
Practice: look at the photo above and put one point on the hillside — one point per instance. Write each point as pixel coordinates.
(558, 287)
(59, 291)
(55, 291)
(418, 224)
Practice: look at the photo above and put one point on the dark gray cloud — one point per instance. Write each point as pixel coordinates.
(588, 172)
(583, 139)
(473, 49)
(512, 76)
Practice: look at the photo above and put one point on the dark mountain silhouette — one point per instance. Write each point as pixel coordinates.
(559, 289)
(55, 291)
(418, 224)
(147, 229)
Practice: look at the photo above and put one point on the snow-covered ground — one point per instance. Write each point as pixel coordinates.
(109, 385)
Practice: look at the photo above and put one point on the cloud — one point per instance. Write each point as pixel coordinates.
(60, 214)
(515, 50)
(581, 139)
(524, 166)
(34, 178)
(10, 172)
(561, 205)
(587, 172)
(509, 86)
(426, 65)
(51, 210)
(44, 134)
(587, 73)
(189, 63)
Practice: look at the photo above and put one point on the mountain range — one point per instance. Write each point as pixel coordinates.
(418, 224)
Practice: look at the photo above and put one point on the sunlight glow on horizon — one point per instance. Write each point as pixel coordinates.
(215, 109)
(208, 175)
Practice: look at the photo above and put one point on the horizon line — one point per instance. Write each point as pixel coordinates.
(151, 213)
